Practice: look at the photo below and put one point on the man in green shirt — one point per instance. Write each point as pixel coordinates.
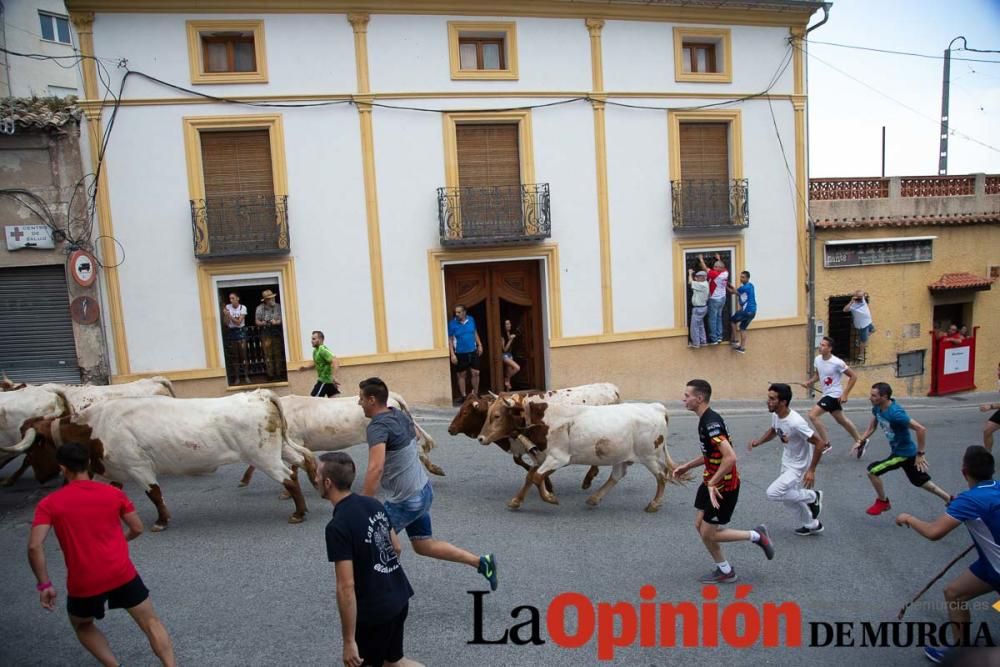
(326, 365)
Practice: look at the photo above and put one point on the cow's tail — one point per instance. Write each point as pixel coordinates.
(64, 403)
(668, 462)
(166, 384)
(291, 451)
(426, 441)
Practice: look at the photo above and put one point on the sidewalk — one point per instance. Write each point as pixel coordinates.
(858, 403)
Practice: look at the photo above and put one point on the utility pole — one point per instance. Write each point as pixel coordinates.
(883, 151)
(946, 82)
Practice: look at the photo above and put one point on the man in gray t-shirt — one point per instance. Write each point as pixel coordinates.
(393, 464)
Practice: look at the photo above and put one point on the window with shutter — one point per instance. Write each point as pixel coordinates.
(488, 155)
(237, 163)
(704, 151)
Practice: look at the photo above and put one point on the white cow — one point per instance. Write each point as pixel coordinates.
(331, 424)
(557, 435)
(24, 402)
(137, 439)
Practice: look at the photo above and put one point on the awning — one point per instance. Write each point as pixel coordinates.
(960, 281)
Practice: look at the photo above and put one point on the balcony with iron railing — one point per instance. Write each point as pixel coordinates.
(238, 225)
(494, 215)
(699, 204)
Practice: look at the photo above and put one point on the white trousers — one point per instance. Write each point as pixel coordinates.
(788, 489)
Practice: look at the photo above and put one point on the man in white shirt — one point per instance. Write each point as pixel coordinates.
(861, 316)
(828, 372)
(799, 459)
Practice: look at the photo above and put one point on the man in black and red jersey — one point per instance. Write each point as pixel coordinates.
(720, 488)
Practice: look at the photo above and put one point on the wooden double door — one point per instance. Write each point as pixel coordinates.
(492, 293)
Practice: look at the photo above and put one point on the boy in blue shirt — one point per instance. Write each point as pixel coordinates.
(747, 304)
(979, 509)
(912, 458)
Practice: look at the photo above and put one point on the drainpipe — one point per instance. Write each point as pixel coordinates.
(811, 226)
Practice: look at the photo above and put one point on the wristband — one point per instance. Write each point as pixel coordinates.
(42, 587)
(921, 454)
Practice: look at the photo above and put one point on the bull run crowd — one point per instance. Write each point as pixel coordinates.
(75, 432)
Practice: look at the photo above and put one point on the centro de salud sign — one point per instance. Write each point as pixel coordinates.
(29, 236)
(838, 254)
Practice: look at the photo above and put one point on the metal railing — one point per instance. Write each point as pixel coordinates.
(703, 204)
(848, 188)
(494, 215)
(257, 362)
(240, 225)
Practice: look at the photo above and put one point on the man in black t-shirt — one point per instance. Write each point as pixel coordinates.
(372, 591)
(720, 487)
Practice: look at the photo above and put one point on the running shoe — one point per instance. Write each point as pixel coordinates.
(862, 447)
(827, 447)
(879, 506)
(765, 541)
(488, 568)
(935, 655)
(741, 350)
(809, 531)
(816, 506)
(717, 576)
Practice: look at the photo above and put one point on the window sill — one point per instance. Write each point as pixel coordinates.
(230, 77)
(484, 75)
(704, 77)
(55, 41)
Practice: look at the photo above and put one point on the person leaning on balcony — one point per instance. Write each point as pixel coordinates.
(699, 299)
(268, 318)
(718, 278)
(234, 317)
(861, 317)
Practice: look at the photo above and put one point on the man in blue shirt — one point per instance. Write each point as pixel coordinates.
(912, 458)
(979, 509)
(747, 305)
(465, 348)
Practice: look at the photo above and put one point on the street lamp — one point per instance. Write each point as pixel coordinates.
(943, 153)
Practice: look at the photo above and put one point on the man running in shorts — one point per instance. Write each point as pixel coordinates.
(912, 458)
(325, 363)
(393, 463)
(87, 517)
(720, 487)
(828, 371)
(979, 509)
(799, 458)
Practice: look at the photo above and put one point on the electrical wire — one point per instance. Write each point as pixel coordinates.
(909, 53)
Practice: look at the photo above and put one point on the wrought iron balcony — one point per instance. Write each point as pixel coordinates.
(240, 225)
(496, 215)
(705, 204)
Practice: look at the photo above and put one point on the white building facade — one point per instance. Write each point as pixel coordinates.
(557, 164)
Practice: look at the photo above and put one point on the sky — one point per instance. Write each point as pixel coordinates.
(846, 115)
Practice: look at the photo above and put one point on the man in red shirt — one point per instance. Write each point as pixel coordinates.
(87, 518)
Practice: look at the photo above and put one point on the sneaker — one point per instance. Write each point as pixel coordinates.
(861, 448)
(879, 506)
(935, 655)
(765, 541)
(488, 568)
(717, 576)
(741, 350)
(816, 506)
(715, 342)
(827, 447)
(804, 531)
(693, 346)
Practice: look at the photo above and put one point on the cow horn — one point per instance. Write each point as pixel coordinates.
(493, 396)
(506, 401)
(21, 447)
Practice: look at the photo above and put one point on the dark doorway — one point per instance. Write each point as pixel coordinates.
(840, 328)
(691, 262)
(493, 292)
(265, 344)
(958, 314)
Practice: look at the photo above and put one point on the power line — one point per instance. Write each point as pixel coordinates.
(909, 53)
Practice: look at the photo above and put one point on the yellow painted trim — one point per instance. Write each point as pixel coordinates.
(731, 116)
(680, 274)
(594, 27)
(193, 127)
(197, 66)
(91, 104)
(724, 40)
(654, 334)
(84, 24)
(798, 61)
(437, 259)
(525, 149)
(509, 32)
(801, 173)
(359, 23)
(389, 357)
(211, 322)
(736, 15)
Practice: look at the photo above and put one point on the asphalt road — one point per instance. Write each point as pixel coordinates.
(237, 585)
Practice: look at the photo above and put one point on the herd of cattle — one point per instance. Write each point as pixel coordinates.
(139, 430)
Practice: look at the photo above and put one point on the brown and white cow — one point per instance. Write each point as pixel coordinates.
(471, 417)
(559, 435)
(137, 439)
(19, 403)
(332, 424)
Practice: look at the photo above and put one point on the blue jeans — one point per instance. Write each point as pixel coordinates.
(698, 325)
(413, 514)
(715, 307)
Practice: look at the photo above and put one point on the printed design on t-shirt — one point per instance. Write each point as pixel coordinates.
(828, 380)
(378, 534)
(781, 435)
(887, 429)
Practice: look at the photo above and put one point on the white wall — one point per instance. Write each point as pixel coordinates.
(23, 33)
